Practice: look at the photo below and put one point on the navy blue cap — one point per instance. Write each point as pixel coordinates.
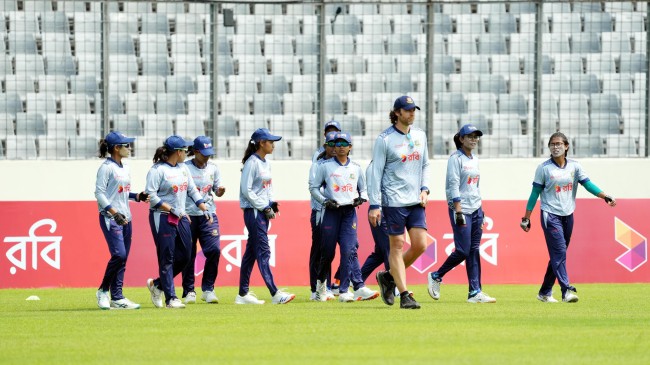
(263, 134)
(469, 129)
(203, 145)
(331, 136)
(344, 136)
(176, 143)
(405, 102)
(332, 123)
(114, 138)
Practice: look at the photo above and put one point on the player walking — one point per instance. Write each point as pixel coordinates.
(344, 189)
(207, 178)
(398, 181)
(466, 216)
(169, 182)
(556, 180)
(256, 199)
(113, 191)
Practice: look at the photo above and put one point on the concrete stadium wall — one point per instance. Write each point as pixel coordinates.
(501, 179)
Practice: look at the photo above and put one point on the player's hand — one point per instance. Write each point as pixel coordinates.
(424, 198)
(120, 219)
(208, 216)
(275, 206)
(330, 204)
(142, 197)
(460, 219)
(610, 200)
(525, 224)
(220, 191)
(175, 212)
(374, 217)
(358, 201)
(268, 212)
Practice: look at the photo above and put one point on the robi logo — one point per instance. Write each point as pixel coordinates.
(412, 157)
(472, 180)
(124, 188)
(181, 188)
(346, 188)
(567, 187)
(336, 188)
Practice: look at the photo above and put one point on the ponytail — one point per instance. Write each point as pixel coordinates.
(162, 154)
(103, 148)
(392, 116)
(457, 141)
(251, 148)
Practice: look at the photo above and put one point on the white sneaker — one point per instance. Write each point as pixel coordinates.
(546, 298)
(190, 298)
(481, 297)
(209, 296)
(433, 287)
(175, 303)
(329, 295)
(282, 297)
(249, 298)
(570, 296)
(346, 297)
(124, 304)
(102, 299)
(365, 293)
(156, 294)
(312, 297)
(321, 291)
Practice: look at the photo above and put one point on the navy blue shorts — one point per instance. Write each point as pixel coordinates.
(399, 217)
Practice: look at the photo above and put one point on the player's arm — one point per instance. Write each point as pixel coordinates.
(424, 184)
(216, 185)
(596, 191)
(246, 187)
(315, 182)
(452, 185)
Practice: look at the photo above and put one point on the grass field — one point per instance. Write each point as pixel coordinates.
(609, 325)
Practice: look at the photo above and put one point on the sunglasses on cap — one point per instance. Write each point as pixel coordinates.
(125, 145)
(339, 144)
(184, 149)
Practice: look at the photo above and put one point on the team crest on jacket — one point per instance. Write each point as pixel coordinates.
(215, 232)
(354, 225)
(352, 176)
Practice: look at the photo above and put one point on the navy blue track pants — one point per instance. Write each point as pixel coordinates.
(118, 239)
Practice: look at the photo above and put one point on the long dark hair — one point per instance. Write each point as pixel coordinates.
(457, 141)
(251, 148)
(393, 116)
(103, 148)
(564, 139)
(162, 154)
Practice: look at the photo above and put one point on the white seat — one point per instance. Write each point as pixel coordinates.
(61, 125)
(154, 64)
(465, 83)
(129, 124)
(252, 65)
(370, 44)
(86, 22)
(182, 84)
(513, 104)
(506, 124)
(120, 85)
(400, 44)
(597, 63)
(529, 64)
(307, 44)
(284, 125)
(333, 104)
(200, 104)
(555, 43)
(21, 147)
(154, 23)
(617, 83)
(89, 125)
(74, 104)
(615, 42)
(605, 103)
(29, 64)
(438, 44)
(573, 104)
(407, 24)
(461, 44)
(485, 103)
(445, 124)
(380, 64)
(55, 22)
(478, 119)
(249, 123)
(452, 102)
(171, 104)
(187, 44)
(234, 104)
(346, 24)
(573, 123)
(242, 84)
(605, 123)
(521, 84)
(302, 148)
(141, 103)
(83, 84)
(170, 8)
(123, 64)
(249, 24)
(584, 83)
(304, 84)
(639, 40)
(192, 66)
(285, 25)
(30, 124)
(150, 84)
(9, 5)
(399, 83)
(21, 84)
(349, 65)
(188, 23)
(495, 84)
(470, 24)
(287, 65)
(492, 44)
(505, 64)
(190, 126)
(273, 84)
(153, 44)
(369, 83)
(339, 44)
(528, 23)
(523, 43)
(501, 23)
(40, 103)
(277, 45)
(145, 147)
(620, 146)
(630, 22)
(361, 103)
(494, 147)
(310, 65)
(585, 43)
(441, 23)
(87, 45)
(123, 22)
(629, 62)
(372, 23)
(363, 9)
(23, 21)
(268, 103)
(334, 84)
(246, 45)
(60, 65)
(475, 64)
(456, 8)
(226, 127)
(597, 22)
(585, 145)
(557, 83)
(522, 146)
(83, 147)
(157, 125)
(566, 23)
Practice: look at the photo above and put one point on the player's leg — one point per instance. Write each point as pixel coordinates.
(165, 238)
(188, 273)
(381, 252)
(314, 251)
(416, 225)
(556, 245)
(113, 233)
(347, 238)
(248, 258)
(210, 239)
(473, 261)
(263, 252)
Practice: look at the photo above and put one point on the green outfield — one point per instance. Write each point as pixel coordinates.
(609, 325)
